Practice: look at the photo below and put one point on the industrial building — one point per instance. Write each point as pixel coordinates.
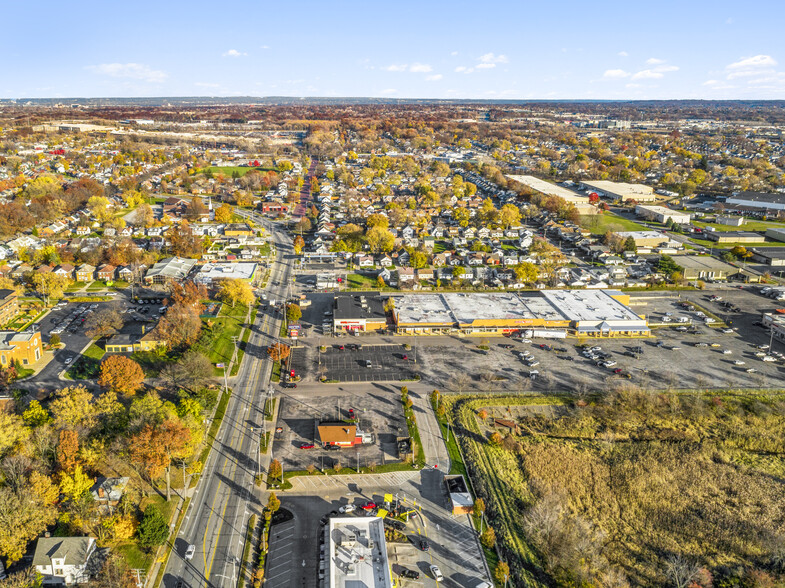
(592, 313)
(704, 267)
(357, 553)
(758, 200)
(734, 237)
(621, 190)
(211, 272)
(580, 201)
(646, 238)
(776, 234)
(773, 256)
(362, 313)
(661, 214)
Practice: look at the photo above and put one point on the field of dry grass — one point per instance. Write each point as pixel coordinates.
(633, 488)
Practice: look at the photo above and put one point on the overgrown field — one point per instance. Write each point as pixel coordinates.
(632, 488)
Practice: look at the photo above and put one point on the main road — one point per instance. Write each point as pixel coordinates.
(217, 517)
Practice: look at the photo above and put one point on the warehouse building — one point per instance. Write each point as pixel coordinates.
(580, 201)
(621, 190)
(704, 267)
(361, 313)
(646, 238)
(758, 200)
(776, 234)
(773, 256)
(594, 313)
(661, 214)
(734, 237)
(211, 272)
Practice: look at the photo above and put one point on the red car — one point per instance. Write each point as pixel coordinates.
(368, 506)
(306, 446)
(617, 371)
(340, 347)
(351, 413)
(405, 357)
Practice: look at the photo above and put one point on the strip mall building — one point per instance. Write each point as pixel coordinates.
(582, 313)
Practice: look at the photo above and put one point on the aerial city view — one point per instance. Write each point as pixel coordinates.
(332, 295)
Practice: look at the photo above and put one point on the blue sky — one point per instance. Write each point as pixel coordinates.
(424, 49)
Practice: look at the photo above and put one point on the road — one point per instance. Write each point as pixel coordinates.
(225, 497)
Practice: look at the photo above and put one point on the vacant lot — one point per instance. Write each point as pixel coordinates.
(229, 170)
(599, 224)
(629, 484)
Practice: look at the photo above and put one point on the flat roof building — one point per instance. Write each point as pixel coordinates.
(773, 256)
(645, 238)
(361, 312)
(776, 234)
(210, 272)
(357, 553)
(580, 201)
(661, 214)
(704, 267)
(580, 312)
(759, 200)
(171, 268)
(622, 190)
(734, 237)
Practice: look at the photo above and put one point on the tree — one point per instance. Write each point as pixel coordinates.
(104, 323)
(195, 209)
(183, 241)
(36, 415)
(488, 538)
(509, 215)
(495, 439)
(99, 207)
(75, 486)
(224, 213)
(380, 281)
(526, 272)
(121, 374)
(13, 432)
(232, 291)
(115, 573)
(479, 507)
(461, 216)
(54, 340)
(667, 266)
(377, 220)
(380, 240)
(502, 572)
(680, 571)
(72, 408)
(154, 448)
(629, 244)
(153, 530)
(50, 285)
(303, 225)
(299, 243)
(418, 259)
(278, 352)
(275, 470)
(180, 326)
(273, 503)
(143, 216)
(293, 313)
(67, 450)
(23, 517)
(192, 371)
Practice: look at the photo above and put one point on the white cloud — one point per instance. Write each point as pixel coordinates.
(647, 74)
(491, 58)
(654, 61)
(394, 67)
(615, 74)
(454, 53)
(132, 71)
(633, 85)
(420, 68)
(486, 65)
(710, 83)
(233, 53)
(622, 54)
(264, 47)
(388, 91)
(464, 69)
(434, 78)
(751, 66)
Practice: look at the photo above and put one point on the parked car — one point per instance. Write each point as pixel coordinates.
(306, 446)
(436, 573)
(369, 506)
(423, 544)
(406, 573)
(189, 552)
(346, 508)
(288, 385)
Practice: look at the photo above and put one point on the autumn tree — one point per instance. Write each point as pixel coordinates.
(67, 450)
(75, 485)
(36, 415)
(275, 470)
(380, 240)
(50, 285)
(299, 243)
(526, 272)
(154, 448)
(184, 243)
(502, 573)
(188, 293)
(488, 538)
(191, 371)
(232, 291)
(224, 213)
(293, 313)
(195, 209)
(273, 503)
(509, 215)
(23, 517)
(121, 374)
(104, 323)
(13, 432)
(279, 351)
(180, 326)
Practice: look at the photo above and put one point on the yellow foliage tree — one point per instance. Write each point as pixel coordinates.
(75, 485)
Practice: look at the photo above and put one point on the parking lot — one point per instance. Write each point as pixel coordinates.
(357, 362)
(377, 410)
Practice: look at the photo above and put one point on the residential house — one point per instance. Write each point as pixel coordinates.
(237, 230)
(385, 261)
(106, 272)
(65, 270)
(85, 272)
(64, 560)
(407, 275)
(107, 492)
(83, 230)
(365, 261)
(9, 306)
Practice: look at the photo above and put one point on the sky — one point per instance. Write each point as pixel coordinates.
(487, 49)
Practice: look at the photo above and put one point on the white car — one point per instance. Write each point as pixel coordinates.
(768, 358)
(68, 360)
(189, 553)
(726, 351)
(436, 573)
(739, 362)
(346, 508)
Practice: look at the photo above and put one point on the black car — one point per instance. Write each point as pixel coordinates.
(424, 545)
(505, 346)
(406, 573)
(289, 385)
(332, 447)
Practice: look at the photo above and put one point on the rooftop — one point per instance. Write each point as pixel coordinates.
(703, 263)
(75, 550)
(763, 197)
(219, 271)
(357, 553)
(358, 307)
(620, 188)
(549, 189)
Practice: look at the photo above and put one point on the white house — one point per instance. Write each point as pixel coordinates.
(63, 560)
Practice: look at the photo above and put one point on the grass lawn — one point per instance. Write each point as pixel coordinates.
(228, 170)
(216, 341)
(599, 224)
(359, 281)
(87, 365)
(101, 285)
(748, 225)
(76, 286)
(243, 344)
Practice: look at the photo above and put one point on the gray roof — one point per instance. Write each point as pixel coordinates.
(75, 550)
(113, 488)
(172, 267)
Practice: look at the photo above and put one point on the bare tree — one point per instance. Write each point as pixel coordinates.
(104, 323)
(680, 571)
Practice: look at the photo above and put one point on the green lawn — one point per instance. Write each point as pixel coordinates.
(88, 364)
(748, 225)
(361, 282)
(101, 285)
(216, 341)
(599, 224)
(243, 344)
(76, 286)
(228, 170)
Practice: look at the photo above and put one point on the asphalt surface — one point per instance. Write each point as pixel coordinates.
(225, 498)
